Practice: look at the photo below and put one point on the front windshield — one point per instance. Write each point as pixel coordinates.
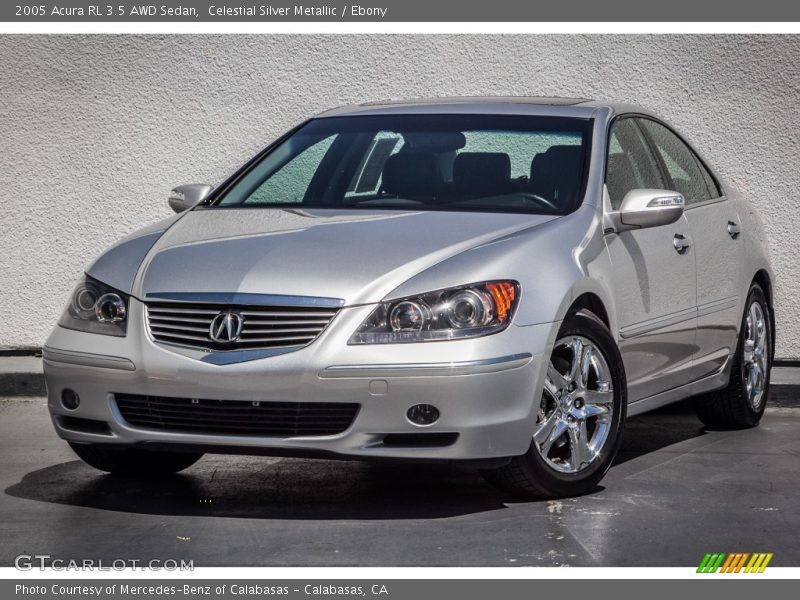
(425, 162)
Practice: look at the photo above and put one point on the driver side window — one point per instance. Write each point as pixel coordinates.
(630, 163)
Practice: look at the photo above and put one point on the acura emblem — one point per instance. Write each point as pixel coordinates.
(226, 327)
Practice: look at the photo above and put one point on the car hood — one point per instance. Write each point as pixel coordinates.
(357, 256)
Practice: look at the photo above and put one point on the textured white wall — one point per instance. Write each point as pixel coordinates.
(95, 130)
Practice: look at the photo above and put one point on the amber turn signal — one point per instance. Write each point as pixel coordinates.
(503, 293)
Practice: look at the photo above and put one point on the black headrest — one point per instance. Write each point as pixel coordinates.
(555, 174)
(433, 142)
(410, 175)
(482, 173)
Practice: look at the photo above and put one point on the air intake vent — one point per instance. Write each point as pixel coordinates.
(236, 327)
(83, 425)
(420, 440)
(236, 417)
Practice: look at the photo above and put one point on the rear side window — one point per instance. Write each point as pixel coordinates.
(684, 168)
(631, 165)
(711, 184)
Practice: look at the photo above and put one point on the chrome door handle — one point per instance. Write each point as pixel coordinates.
(733, 229)
(681, 243)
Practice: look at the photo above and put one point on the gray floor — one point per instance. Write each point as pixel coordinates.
(676, 493)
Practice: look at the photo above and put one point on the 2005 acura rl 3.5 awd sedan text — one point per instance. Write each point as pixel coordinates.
(499, 281)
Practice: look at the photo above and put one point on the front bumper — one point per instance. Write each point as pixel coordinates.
(484, 389)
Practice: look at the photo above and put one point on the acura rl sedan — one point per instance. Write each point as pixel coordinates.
(499, 281)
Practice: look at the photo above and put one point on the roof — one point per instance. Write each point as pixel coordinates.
(553, 101)
(516, 105)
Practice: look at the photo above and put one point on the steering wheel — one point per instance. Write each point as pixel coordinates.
(530, 197)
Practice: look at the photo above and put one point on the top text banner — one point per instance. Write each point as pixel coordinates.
(48, 11)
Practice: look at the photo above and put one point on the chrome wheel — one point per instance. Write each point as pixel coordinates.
(755, 356)
(577, 406)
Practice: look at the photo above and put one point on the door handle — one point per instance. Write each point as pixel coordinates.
(733, 229)
(681, 243)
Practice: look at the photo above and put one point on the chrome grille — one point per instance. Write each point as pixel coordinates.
(262, 326)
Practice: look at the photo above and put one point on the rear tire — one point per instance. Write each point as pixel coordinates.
(132, 462)
(741, 404)
(587, 405)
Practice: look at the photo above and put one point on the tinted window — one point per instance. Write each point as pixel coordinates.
(711, 184)
(428, 162)
(680, 162)
(290, 184)
(521, 147)
(630, 163)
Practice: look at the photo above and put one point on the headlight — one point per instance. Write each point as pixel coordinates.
(96, 308)
(468, 311)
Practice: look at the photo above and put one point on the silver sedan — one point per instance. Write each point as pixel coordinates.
(500, 281)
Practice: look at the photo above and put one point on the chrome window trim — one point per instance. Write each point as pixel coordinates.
(709, 202)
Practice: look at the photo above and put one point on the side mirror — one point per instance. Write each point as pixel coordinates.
(647, 208)
(185, 197)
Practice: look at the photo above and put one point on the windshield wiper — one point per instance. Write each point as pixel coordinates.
(387, 202)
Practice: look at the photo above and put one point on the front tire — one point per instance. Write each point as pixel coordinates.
(741, 404)
(132, 462)
(580, 419)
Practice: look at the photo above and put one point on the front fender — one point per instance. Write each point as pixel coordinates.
(554, 263)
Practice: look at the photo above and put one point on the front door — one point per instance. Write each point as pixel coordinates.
(654, 283)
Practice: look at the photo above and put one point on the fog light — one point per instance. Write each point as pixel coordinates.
(70, 399)
(423, 414)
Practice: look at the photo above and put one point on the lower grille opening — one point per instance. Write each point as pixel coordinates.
(236, 417)
(83, 425)
(419, 440)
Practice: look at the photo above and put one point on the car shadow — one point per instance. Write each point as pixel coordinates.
(269, 488)
(659, 429)
(309, 489)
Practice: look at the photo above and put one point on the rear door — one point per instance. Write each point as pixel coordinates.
(714, 225)
(654, 284)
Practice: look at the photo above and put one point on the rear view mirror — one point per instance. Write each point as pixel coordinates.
(647, 208)
(185, 197)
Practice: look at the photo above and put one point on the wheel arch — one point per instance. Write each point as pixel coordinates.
(590, 294)
(591, 302)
